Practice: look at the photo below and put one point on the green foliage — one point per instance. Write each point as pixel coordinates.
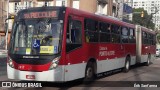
(145, 21)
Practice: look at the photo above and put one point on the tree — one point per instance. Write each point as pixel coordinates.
(145, 21)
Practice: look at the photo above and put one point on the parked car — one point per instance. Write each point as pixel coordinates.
(157, 52)
(3, 53)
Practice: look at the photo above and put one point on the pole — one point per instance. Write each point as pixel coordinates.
(7, 25)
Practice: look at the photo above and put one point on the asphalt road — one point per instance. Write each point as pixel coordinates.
(137, 73)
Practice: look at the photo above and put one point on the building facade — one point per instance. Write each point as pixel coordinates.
(123, 9)
(105, 7)
(152, 7)
(3, 16)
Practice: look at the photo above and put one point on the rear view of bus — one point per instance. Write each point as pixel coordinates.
(35, 45)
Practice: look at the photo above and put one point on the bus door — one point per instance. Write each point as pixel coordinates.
(74, 44)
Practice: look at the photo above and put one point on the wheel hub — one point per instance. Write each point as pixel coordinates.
(89, 72)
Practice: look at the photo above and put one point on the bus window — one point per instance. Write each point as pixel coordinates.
(125, 35)
(20, 35)
(132, 36)
(150, 39)
(91, 30)
(53, 33)
(144, 38)
(104, 27)
(104, 30)
(115, 33)
(91, 25)
(115, 29)
(74, 34)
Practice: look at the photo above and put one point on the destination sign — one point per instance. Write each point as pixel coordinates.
(44, 14)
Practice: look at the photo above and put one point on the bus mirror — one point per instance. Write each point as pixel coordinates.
(5, 27)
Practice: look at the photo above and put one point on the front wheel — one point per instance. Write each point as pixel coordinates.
(89, 73)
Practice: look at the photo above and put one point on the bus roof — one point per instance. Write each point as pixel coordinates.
(85, 14)
(148, 30)
(98, 17)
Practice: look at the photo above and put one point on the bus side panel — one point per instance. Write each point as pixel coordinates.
(111, 56)
(130, 49)
(148, 49)
(145, 52)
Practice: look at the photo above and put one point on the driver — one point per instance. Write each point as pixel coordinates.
(52, 36)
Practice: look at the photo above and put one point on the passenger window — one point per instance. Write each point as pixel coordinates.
(104, 32)
(132, 36)
(74, 34)
(115, 29)
(104, 27)
(144, 38)
(91, 25)
(91, 30)
(125, 33)
(115, 32)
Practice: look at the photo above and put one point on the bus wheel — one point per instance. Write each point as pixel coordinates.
(127, 65)
(89, 73)
(148, 60)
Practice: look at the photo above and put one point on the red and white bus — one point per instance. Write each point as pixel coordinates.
(64, 44)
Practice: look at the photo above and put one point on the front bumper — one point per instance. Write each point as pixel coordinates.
(55, 75)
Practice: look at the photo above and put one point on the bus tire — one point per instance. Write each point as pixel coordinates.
(89, 73)
(127, 65)
(148, 60)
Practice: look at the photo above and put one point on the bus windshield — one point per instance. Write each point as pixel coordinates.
(36, 37)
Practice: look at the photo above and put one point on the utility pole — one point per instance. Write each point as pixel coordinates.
(7, 25)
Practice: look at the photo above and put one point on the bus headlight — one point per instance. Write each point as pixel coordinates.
(10, 62)
(54, 63)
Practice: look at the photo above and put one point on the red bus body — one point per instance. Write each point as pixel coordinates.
(105, 56)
